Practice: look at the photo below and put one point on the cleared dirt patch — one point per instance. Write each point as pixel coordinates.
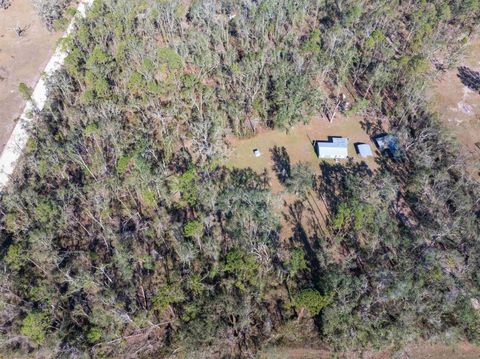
(22, 59)
(417, 351)
(458, 105)
(442, 351)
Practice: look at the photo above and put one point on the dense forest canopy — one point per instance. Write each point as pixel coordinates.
(122, 234)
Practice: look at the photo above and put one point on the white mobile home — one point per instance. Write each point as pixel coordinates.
(336, 148)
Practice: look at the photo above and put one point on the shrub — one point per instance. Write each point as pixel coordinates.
(25, 91)
(170, 58)
(193, 229)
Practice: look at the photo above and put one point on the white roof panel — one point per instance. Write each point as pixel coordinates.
(337, 148)
(364, 150)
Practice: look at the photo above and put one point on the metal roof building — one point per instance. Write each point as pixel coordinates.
(336, 148)
(390, 144)
(387, 142)
(364, 150)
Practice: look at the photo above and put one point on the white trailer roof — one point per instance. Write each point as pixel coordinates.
(337, 148)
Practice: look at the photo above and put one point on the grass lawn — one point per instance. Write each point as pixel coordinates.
(298, 144)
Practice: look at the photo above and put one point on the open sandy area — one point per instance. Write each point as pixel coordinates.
(22, 59)
(423, 350)
(459, 105)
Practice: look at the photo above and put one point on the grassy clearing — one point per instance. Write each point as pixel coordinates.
(298, 144)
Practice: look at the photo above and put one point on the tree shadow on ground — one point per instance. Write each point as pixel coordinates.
(313, 252)
(331, 186)
(372, 127)
(300, 236)
(469, 78)
(281, 162)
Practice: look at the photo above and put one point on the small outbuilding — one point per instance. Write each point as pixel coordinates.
(336, 148)
(364, 150)
(389, 144)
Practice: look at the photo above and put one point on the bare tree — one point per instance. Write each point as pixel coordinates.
(5, 4)
(50, 10)
(20, 31)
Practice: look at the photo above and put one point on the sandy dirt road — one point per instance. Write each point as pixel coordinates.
(21, 59)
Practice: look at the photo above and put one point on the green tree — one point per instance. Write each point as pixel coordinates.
(312, 44)
(168, 295)
(15, 257)
(35, 326)
(243, 266)
(94, 335)
(296, 263)
(300, 180)
(169, 57)
(186, 185)
(193, 229)
(311, 300)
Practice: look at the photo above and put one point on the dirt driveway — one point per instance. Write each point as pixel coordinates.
(21, 59)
